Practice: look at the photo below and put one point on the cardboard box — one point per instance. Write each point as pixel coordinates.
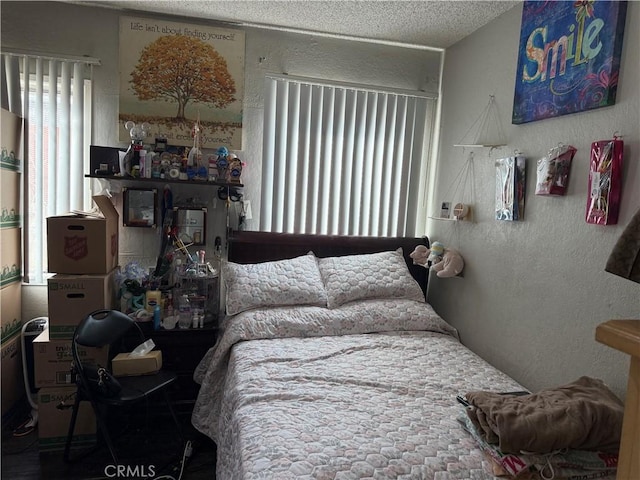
(11, 310)
(52, 360)
(124, 364)
(9, 198)
(53, 423)
(83, 243)
(10, 256)
(72, 297)
(11, 129)
(12, 376)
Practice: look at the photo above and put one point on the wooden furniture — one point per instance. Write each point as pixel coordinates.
(182, 350)
(624, 335)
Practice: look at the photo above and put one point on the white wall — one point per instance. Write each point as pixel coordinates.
(81, 30)
(534, 291)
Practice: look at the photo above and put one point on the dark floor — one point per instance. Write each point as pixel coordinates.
(146, 443)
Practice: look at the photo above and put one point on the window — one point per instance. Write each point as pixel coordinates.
(54, 97)
(344, 159)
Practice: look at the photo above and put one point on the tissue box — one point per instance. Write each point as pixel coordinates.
(124, 364)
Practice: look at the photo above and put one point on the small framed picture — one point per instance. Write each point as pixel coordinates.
(140, 207)
(445, 210)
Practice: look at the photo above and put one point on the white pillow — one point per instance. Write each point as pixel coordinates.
(374, 275)
(294, 281)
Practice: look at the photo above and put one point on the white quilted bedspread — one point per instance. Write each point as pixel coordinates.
(317, 394)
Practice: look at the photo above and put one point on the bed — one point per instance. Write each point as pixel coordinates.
(354, 380)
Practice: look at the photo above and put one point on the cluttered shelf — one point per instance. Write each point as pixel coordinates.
(165, 180)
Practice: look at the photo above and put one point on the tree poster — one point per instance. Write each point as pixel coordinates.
(174, 74)
(568, 59)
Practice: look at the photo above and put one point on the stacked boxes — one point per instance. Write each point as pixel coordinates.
(53, 358)
(52, 361)
(11, 318)
(11, 261)
(83, 252)
(54, 415)
(83, 243)
(72, 297)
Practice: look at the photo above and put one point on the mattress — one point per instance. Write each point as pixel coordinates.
(367, 390)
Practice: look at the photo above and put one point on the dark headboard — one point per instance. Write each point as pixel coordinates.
(255, 247)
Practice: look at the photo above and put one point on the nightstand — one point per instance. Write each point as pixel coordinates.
(624, 335)
(182, 351)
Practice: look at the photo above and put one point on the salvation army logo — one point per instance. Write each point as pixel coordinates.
(76, 247)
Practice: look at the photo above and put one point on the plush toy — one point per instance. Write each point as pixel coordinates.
(447, 262)
(420, 255)
(437, 251)
(451, 265)
(427, 257)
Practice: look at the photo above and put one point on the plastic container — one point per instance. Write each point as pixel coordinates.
(153, 298)
(143, 348)
(156, 317)
(184, 315)
(169, 305)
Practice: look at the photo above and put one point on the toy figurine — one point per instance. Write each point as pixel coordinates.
(447, 262)
(131, 162)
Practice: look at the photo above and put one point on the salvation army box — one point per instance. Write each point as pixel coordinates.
(82, 242)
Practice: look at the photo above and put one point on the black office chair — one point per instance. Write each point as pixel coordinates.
(104, 328)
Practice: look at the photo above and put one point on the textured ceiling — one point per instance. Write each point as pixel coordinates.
(430, 23)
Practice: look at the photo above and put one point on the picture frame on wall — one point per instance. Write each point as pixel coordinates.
(174, 75)
(568, 58)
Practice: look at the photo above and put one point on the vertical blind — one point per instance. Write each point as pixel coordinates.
(54, 97)
(343, 160)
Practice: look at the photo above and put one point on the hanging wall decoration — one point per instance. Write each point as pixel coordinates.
(568, 59)
(172, 73)
(605, 181)
(510, 184)
(552, 172)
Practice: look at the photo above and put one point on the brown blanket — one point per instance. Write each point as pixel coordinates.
(582, 415)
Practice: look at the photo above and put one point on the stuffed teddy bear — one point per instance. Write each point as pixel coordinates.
(420, 255)
(426, 257)
(451, 265)
(447, 262)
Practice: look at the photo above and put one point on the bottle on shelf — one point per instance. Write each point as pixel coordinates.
(156, 317)
(169, 305)
(184, 308)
